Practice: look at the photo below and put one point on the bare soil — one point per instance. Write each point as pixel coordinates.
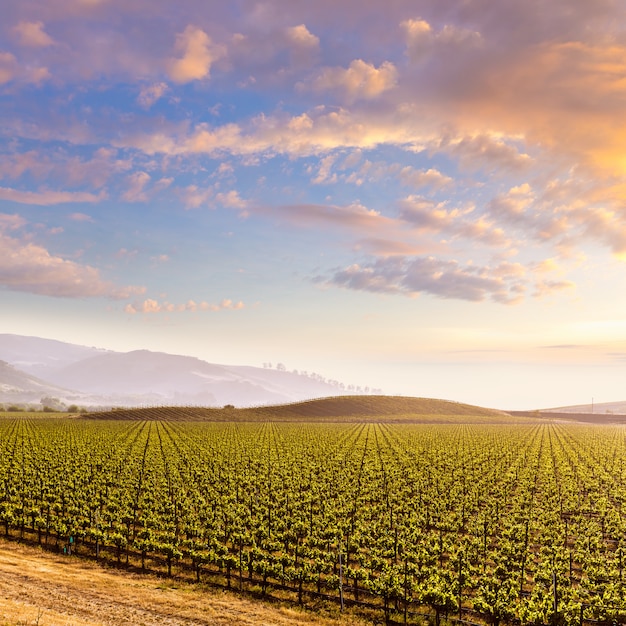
(43, 589)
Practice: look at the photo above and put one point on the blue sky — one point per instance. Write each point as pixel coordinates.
(426, 197)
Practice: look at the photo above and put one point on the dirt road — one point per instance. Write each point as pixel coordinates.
(43, 589)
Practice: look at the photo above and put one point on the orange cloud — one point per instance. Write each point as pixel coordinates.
(150, 305)
(360, 80)
(301, 36)
(198, 54)
(567, 97)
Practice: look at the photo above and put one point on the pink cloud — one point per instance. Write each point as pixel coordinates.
(46, 198)
(231, 199)
(422, 39)
(487, 153)
(150, 94)
(136, 187)
(380, 247)
(33, 34)
(80, 217)
(316, 132)
(8, 67)
(195, 197)
(441, 278)
(29, 267)
(11, 222)
(354, 217)
(72, 170)
(11, 70)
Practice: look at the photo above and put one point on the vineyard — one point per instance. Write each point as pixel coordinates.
(487, 523)
(390, 409)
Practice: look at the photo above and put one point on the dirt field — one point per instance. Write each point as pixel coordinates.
(38, 588)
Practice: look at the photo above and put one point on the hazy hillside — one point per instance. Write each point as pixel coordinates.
(38, 356)
(95, 377)
(18, 387)
(167, 377)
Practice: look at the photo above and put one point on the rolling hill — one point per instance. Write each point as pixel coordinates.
(602, 408)
(338, 408)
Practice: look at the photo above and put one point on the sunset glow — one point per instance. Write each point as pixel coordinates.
(425, 197)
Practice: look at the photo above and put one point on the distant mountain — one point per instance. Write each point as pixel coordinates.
(182, 379)
(94, 377)
(17, 387)
(38, 356)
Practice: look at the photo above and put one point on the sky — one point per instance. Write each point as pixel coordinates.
(422, 196)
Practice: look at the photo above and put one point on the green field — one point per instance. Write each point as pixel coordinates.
(493, 522)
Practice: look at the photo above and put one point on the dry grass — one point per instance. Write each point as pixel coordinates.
(37, 588)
